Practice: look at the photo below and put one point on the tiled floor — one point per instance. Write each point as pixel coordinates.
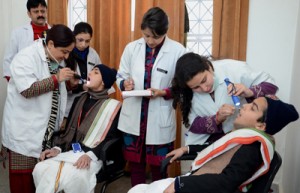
(121, 185)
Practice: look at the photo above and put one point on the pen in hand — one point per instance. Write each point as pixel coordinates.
(125, 79)
(128, 83)
(128, 79)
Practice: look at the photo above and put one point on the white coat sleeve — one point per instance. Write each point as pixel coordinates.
(11, 51)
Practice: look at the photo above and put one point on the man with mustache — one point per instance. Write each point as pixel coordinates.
(23, 36)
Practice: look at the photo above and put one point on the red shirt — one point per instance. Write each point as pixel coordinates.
(37, 30)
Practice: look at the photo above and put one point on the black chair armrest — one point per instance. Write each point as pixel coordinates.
(165, 162)
(113, 162)
(187, 157)
(108, 149)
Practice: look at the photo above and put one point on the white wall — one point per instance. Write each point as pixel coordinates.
(272, 44)
(291, 172)
(13, 13)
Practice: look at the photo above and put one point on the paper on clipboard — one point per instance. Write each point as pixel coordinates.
(136, 93)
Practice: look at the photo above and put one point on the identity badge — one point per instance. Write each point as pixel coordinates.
(76, 147)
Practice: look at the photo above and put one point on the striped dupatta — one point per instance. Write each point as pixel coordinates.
(52, 123)
(233, 139)
(102, 122)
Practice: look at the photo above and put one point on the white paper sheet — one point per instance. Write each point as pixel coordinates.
(136, 93)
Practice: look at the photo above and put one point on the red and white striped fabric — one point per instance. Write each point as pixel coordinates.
(233, 139)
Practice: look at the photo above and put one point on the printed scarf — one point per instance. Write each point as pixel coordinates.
(47, 141)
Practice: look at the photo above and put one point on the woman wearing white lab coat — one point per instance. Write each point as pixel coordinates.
(35, 103)
(161, 114)
(82, 60)
(148, 123)
(204, 98)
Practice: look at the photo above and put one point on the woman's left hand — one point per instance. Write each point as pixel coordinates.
(240, 90)
(83, 162)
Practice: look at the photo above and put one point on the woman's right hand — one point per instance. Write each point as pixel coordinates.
(64, 74)
(128, 84)
(225, 111)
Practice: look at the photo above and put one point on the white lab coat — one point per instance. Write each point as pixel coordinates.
(21, 37)
(92, 60)
(203, 105)
(161, 125)
(25, 119)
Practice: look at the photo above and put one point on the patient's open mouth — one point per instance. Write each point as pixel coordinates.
(88, 81)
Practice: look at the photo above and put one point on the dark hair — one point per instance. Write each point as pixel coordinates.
(187, 66)
(35, 3)
(156, 20)
(83, 27)
(61, 36)
(263, 118)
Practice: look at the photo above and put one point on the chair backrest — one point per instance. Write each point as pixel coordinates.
(264, 182)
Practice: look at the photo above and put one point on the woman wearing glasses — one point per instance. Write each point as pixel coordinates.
(204, 98)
